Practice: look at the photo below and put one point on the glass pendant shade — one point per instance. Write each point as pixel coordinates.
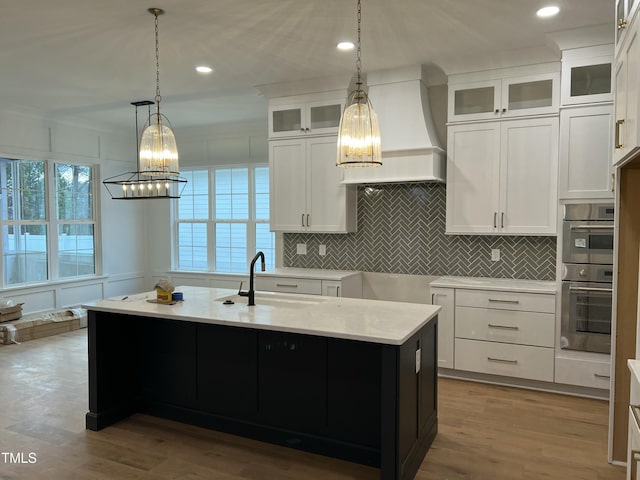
(158, 150)
(359, 135)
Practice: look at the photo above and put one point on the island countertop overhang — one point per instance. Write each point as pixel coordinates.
(376, 321)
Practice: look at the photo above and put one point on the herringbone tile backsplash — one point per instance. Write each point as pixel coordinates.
(401, 230)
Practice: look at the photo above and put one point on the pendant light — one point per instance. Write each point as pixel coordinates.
(158, 150)
(157, 175)
(136, 185)
(359, 133)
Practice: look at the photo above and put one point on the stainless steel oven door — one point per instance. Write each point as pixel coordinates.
(588, 242)
(586, 316)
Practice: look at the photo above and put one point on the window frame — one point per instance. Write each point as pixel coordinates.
(212, 221)
(52, 223)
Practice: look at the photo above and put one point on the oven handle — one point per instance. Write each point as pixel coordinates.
(591, 227)
(590, 289)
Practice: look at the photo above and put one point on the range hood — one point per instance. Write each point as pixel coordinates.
(410, 147)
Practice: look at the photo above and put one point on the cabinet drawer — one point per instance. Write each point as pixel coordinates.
(521, 361)
(506, 326)
(585, 373)
(289, 285)
(528, 302)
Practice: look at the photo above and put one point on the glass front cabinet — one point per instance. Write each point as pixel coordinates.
(502, 98)
(587, 75)
(305, 118)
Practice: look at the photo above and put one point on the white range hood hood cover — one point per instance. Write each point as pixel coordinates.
(410, 147)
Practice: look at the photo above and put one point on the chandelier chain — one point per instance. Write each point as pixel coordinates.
(158, 97)
(358, 59)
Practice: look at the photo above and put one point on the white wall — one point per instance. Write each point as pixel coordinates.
(29, 134)
(201, 147)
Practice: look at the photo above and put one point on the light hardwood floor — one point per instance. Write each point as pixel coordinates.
(485, 432)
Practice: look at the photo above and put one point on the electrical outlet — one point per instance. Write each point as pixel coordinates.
(301, 248)
(495, 254)
(322, 250)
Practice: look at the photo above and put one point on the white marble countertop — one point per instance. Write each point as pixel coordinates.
(500, 284)
(376, 321)
(312, 273)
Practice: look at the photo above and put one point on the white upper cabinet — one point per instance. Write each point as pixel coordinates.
(585, 152)
(587, 75)
(301, 116)
(625, 11)
(505, 93)
(626, 103)
(502, 177)
(306, 190)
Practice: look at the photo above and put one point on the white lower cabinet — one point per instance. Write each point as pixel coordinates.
(522, 361)
(583, 372)
(445, 297)
(332, 283)
(505, 333)
(499, 327)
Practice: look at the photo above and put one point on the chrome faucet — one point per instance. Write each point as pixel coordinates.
(251, 293)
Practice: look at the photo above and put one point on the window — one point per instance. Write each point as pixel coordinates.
(37, 198)
(223, 219)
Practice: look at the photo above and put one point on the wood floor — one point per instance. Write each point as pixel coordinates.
(485, 432)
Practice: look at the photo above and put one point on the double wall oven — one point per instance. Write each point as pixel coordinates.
(587, 256)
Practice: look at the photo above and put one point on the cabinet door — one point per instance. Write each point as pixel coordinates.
(323, 118)
(445, 298)
(587, 80)
(530, 95)
(585, 150)
(288, 175)
(168, 351)
(627, 98)
(292, 380)
(528, 176)
(473, 168)
(331, 288)
(286, 121)
(620, 108)
(327, 202)
(474, 101)
(227, 370)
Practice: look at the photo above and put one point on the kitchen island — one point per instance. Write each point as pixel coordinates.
(348, 378)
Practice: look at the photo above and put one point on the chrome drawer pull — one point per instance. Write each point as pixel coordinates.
(597, 375)
(590, 289)
(286, 285)
(503, 327)
(502, 360)
(496, 300)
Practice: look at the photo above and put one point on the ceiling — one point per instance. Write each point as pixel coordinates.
(90, 59)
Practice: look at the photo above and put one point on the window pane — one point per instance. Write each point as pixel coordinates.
(194, 201)
(76, 253)
(262, 193)
(266, 242)
(232, 193)
(192, 246)
(23, 194)
(231, 247)
(73, 192)
(24, 254)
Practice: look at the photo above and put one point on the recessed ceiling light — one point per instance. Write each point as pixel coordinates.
(345, 46)
(204, 69)
(548, 11)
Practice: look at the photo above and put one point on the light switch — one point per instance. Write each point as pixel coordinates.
(495, 254)
(301, 248)
(322, 250)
